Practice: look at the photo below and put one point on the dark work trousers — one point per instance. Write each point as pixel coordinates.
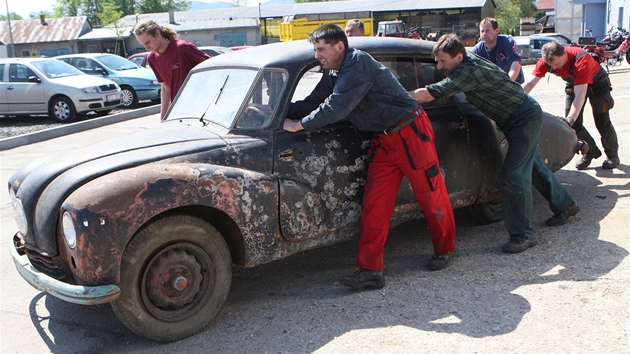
(598, 95)
(522, 167)
(410, 152)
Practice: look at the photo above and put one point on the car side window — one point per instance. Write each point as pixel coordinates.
(20, 73)
(263, 100)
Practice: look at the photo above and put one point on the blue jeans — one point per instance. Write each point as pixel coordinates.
(523, 166)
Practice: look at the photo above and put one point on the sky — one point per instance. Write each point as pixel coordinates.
(25, 7)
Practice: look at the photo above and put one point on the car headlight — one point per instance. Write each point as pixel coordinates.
(69, 232)
(20, 216)
(92, 89)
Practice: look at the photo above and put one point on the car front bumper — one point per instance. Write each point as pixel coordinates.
(77, 294)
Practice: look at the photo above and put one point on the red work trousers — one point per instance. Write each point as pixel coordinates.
(410, 152)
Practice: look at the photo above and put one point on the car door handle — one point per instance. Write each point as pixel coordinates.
(290, 154)
(10, 88)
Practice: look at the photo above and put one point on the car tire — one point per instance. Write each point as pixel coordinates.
(486, 213)
(129, 97)
(182, 251)
(62, 110)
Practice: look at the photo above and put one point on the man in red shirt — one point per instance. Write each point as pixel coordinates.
(585, 78)
(170, 59)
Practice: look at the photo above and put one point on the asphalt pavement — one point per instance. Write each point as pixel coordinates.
(569, 294)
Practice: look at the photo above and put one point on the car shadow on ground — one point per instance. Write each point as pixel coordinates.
(297, 305)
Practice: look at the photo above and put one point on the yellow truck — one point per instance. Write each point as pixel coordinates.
(295, 27)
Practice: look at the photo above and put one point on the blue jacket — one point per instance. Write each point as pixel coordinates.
(503, 54)
(364, 91)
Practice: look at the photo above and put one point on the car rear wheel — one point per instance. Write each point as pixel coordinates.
(488, 212)
(129, 97)
(175, 276)
(62, 110)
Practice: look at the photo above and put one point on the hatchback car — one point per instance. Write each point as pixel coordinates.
(152, 222)
(530, 47)
(137, 84)
(47, 86)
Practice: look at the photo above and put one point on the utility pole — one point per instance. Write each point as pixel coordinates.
(11, 51)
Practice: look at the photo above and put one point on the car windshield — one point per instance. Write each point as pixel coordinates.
(217, 95)
(114, 62)
(55, 68)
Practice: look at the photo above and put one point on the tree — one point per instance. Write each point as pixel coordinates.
(508, 14)
(14, 17)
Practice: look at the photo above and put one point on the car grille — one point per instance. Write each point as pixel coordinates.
(105, 88)
(112, 103)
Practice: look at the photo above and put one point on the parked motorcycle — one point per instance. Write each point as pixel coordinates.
(615, 37)
(608, 57)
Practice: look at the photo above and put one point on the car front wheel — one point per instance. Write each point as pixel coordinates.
(129, 97)
(62, 110)
(175, 276)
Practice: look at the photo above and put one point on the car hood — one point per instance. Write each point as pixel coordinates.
(81, 81)
(139, 73)
(43, 184)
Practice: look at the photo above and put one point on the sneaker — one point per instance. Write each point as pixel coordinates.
(610, 163)
(518, 243)
(440, 261)
(364, 278)
(561, 219)
(585, 161)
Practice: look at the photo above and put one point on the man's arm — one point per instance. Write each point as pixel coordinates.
(515, 69)
(421, 95)
(530, 83)
(580, 97)
(165, 97)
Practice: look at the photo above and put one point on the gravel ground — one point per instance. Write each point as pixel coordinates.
(19, 125)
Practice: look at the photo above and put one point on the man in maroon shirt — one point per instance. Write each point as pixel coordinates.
(585, 78)
(170, 59)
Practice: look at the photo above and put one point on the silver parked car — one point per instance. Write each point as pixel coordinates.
(48, 86)
(137, 84)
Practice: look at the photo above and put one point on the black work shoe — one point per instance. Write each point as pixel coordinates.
(610, 163)
(561, 219)
(518, 243)
(585, 161)
(440, 261)
(364, 278)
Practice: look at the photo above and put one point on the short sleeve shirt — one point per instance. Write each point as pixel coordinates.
(585, 67)
(503, 54)
(175, 63)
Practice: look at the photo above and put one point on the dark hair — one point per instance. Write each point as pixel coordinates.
(150, 27)
(551, 50)
(330, 33)
(449, 44)
(491, 21)
(359, 22)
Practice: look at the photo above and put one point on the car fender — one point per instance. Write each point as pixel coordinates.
(110, 209)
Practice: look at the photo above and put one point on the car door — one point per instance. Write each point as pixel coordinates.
(25, 92)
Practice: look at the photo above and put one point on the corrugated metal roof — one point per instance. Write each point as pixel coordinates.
(106, 33)
(32, 31)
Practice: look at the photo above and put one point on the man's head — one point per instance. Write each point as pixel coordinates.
(330, 44)
(554, 55)
(449, 52)
(489, 31)
(152, 36)
(355, 28)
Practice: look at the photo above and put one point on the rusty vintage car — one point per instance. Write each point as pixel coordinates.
(153, 222)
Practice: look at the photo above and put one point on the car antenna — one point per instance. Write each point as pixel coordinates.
(215, 101)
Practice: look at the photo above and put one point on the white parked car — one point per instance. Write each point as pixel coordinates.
(48, 86)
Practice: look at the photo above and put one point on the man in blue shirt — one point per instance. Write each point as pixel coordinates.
(366, 93)
(499, 49)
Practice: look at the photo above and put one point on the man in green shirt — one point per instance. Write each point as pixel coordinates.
(520, 118)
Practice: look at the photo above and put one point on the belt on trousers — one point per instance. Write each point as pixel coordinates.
(405, 122)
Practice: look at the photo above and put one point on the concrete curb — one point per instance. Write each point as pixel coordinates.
(35, 137)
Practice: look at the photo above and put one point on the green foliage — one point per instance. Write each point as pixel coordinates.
(104, 12)
(508, 14)
(14, 17)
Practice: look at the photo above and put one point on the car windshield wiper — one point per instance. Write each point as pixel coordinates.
(215, 100)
